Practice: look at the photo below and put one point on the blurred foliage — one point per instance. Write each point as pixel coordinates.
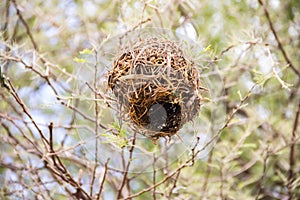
(250, 160)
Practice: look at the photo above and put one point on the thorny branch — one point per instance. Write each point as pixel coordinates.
(58, 167)
(48, 81)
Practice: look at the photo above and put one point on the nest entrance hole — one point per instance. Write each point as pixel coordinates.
(165, 116)
(160, 114)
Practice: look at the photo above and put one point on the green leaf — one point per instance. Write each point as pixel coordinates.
(116, 139)
(31, 21)
(249, 145)
(86, 51)
(240, 95)
(207, 48)
(79, 60)
(122, 132)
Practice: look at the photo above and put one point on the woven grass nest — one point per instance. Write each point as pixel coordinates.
(156, 86)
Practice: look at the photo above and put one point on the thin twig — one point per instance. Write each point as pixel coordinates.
(96, 124)
(154, 177)
(292, 152)
(174, 185)
(60, 170)
(103, 180)
(261, 181)
(5, 26)
(119, 195)
(166, 178)
(18, 142)
(35, 46)
(222, 181)
(5, 33)
(208, 170)
(13, 92)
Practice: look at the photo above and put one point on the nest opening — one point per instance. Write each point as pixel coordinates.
(158, 113)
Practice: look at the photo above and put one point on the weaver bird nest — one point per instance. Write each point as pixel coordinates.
(157, 87)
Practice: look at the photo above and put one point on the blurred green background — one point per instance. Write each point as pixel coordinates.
(68, 43)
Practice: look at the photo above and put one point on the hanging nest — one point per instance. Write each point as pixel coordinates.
(156, 86)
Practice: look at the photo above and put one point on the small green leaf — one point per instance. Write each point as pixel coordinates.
(240, 95)
(249, 145)
(255, 71)
(79, 60)
(86, 51)
(207, 48)
(116, 139)
(31, 21)
(122, 132)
